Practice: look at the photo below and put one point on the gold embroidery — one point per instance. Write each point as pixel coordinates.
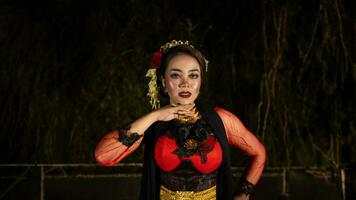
(193, 118)
(190, 144)
(208, 194)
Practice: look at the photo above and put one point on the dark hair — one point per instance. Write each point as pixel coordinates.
(179, 50)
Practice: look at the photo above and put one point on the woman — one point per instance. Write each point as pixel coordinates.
(186, 142)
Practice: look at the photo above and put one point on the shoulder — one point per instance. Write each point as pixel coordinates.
(226, 116)
(223, 113)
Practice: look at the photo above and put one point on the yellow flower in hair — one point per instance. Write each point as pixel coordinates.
(153, 89)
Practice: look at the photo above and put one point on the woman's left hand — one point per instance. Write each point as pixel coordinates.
(242, 197)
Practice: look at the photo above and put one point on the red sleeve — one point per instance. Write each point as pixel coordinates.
(110, 150)
(239, 136)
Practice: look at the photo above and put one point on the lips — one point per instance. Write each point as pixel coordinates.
(185, 94)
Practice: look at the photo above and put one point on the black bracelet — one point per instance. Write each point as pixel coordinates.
(128, 140)
(245, 187)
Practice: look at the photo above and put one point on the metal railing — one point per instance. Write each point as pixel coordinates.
(46, 169)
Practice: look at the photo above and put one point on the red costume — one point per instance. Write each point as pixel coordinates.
(110, 150)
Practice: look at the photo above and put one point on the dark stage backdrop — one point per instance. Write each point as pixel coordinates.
(73, 70)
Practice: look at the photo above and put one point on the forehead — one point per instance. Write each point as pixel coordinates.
(183, 62)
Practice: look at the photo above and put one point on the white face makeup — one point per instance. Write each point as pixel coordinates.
(182, 79)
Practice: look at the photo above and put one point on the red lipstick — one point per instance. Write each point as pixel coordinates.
(185, 94)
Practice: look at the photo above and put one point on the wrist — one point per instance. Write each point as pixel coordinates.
(245, 187)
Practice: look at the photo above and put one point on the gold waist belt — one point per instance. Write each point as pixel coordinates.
(167, 194)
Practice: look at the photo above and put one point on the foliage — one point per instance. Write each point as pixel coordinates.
(73, 70)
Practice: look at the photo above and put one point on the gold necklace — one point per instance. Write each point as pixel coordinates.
(187, 119)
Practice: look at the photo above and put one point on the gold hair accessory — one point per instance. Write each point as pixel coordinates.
(174, 43)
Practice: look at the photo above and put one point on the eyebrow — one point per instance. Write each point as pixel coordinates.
(193, 70)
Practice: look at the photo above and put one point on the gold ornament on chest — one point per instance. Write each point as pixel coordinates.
(190, 144)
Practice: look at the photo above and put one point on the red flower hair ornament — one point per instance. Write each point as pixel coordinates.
(156, 60)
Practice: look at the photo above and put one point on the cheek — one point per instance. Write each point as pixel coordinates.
(196, 86)
(171, 85)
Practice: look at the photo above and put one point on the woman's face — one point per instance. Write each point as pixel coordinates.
(182, 79)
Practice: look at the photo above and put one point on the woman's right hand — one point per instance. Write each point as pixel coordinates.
(169, 112)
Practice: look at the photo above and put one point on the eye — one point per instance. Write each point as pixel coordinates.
(193, 76)
(174, 76)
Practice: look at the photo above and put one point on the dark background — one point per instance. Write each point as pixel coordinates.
(73, 70)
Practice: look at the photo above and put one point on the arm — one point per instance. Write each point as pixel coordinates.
(242, 138)
(112, 148)
(118, 144)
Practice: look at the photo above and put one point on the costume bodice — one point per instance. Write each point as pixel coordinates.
(192, 143)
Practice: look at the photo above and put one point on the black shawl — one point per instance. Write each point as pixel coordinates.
(150, 185)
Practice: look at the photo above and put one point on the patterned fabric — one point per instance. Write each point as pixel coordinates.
(188, 155)
(191, 138)
(167, 194)
(193, 142)
(128, 139)
(187, 179)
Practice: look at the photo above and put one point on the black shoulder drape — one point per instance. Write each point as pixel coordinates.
(150, 185)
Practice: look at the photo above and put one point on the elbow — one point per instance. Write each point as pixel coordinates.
(259, 155)
(102, 153)
(102, 161)
(262, 154)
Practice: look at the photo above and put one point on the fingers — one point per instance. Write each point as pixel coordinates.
(179, 111)
(185, 112)
(176, 115)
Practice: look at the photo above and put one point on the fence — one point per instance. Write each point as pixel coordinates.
(91, 181)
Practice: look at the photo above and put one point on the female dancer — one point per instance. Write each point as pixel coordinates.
(187, 143)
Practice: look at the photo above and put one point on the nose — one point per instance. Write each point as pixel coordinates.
(184, 83)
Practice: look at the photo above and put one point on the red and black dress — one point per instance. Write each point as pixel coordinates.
(188, 156)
